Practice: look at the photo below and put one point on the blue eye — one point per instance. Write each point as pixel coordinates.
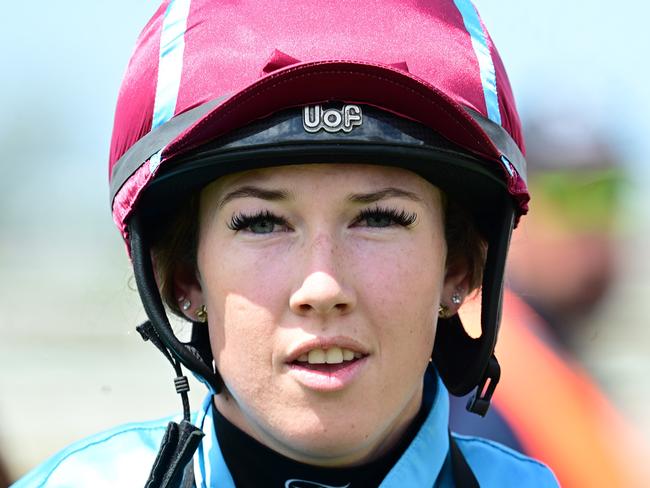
(261, 223)
(385, 217)
(379, 220)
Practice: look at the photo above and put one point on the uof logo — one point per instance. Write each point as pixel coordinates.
(315, 118)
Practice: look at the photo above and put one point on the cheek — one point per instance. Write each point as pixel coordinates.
(240, 271)
(242, 339)
(400, 289)
(246, 297)
(401, 275)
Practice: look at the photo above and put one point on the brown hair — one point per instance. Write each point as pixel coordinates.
(175, 247)
(465, 244)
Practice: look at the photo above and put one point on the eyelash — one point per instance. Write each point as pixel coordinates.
(399, 217)
(242, 221)
(402, 218)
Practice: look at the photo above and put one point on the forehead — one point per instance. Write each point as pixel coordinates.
(343, 178)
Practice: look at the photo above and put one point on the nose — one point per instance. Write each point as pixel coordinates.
(323, 290)
(322, 294)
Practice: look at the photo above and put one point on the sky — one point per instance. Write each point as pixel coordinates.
(591, 55)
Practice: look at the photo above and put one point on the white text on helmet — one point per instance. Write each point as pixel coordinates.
(315, 118)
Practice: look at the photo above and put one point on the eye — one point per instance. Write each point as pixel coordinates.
(384, 217)
(263, 222)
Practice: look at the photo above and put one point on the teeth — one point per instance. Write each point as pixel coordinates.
(333, 355)
(316, 356)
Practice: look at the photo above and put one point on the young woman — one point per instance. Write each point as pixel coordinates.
(315, 186)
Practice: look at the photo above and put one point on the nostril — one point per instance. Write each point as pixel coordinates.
(307, 308)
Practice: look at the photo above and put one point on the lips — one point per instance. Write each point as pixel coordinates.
(327, 350)
(327, 364)
(333, 355)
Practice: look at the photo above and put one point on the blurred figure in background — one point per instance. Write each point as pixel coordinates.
(577, 181)
(546, 405)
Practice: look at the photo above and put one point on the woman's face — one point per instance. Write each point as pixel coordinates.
(322, 284)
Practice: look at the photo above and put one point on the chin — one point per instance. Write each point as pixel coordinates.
(330, 449)
(328, 438)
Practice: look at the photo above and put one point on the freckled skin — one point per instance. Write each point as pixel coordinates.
(322, 274)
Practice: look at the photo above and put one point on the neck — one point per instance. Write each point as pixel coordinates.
(332, 453)
(252, 463)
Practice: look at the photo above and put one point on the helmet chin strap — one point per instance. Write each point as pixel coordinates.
(453, 346)
(181, 440)
(187, 354)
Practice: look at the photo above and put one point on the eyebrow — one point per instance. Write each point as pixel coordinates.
(255, 192)
(389, 192)
(275, 195)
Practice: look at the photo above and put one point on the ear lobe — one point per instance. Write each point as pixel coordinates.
(455, 288)
(188, 292)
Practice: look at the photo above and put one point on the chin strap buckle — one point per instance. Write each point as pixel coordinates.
(479, 403)
(179, 444)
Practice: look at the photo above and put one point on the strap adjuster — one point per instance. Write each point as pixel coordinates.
(479, 403)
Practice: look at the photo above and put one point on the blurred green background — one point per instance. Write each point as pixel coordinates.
(70, 360)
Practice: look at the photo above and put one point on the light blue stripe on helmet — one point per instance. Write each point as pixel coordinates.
(170, 64)
(486, 65)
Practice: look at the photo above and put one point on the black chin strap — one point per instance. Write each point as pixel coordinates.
(148, 333)
(188, 355)
(466, 363)
(181, 439)
(175, 453)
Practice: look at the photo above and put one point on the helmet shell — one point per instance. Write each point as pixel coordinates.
(223, 65)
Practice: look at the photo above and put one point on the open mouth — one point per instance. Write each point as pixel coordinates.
(328, 360)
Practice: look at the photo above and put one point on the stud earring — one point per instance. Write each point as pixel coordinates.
(202, 314)
(186, 305)
(456, 299)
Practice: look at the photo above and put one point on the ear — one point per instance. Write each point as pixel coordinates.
(455, 287)
(188, 292)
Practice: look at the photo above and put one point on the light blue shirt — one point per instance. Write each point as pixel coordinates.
(122, 457)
